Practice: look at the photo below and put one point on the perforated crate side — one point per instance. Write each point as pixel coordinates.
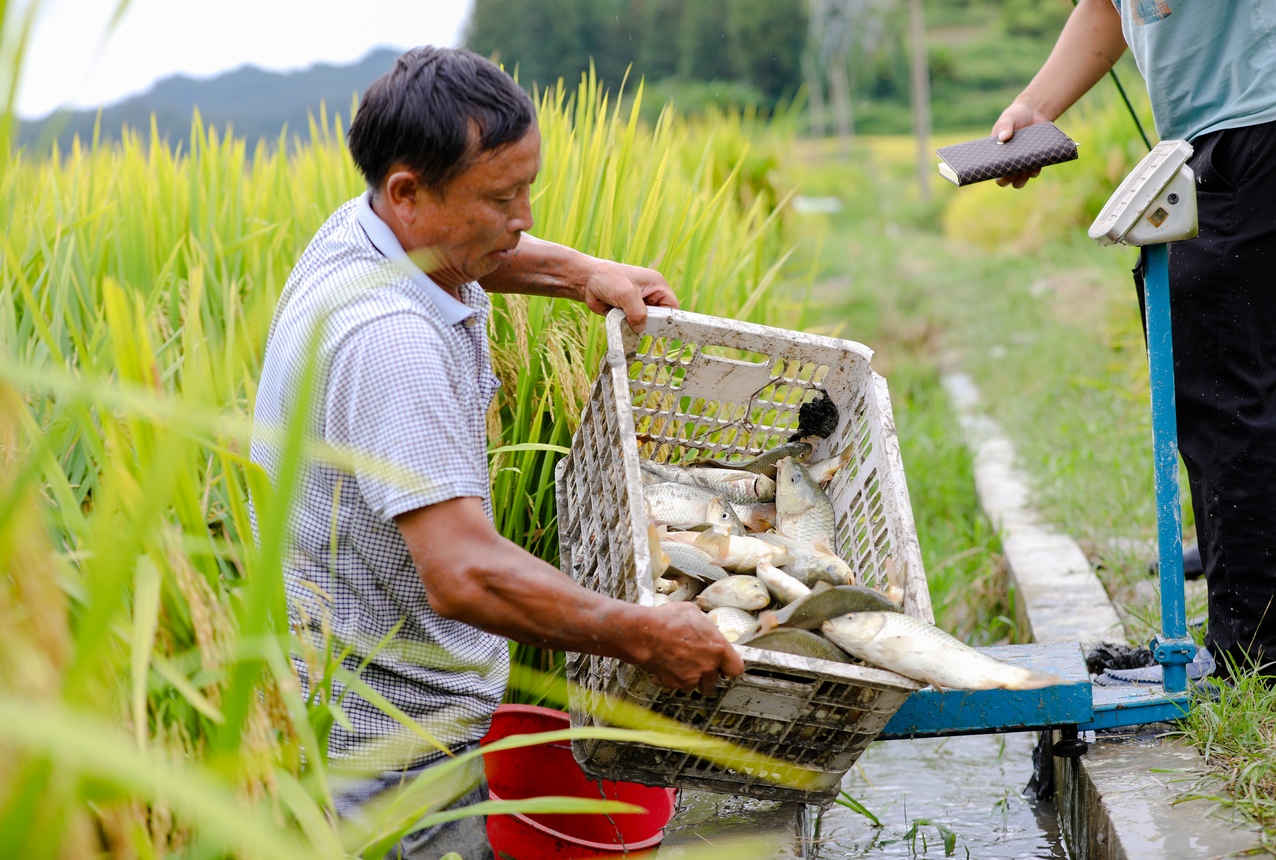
(702, 386)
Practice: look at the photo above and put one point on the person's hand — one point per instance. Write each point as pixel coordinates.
(1013, 118)
(689, 651)
(631, 288)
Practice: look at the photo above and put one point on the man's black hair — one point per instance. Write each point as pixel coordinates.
(423, 112)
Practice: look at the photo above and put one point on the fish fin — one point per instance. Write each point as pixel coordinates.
(715, 543)
(821, 585)
(894, 648)
(821, 547)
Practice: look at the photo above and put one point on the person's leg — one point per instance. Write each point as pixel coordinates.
(466, 836)
(1223, 300)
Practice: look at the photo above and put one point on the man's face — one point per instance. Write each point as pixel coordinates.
(474, 225)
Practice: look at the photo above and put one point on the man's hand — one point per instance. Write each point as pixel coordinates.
(690, 653)
(1090, 43)
(630, 288)
(474, 575)
(1013, 118)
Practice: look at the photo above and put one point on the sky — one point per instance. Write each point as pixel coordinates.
(68, 65)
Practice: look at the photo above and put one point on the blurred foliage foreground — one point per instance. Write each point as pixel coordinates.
(147, 702)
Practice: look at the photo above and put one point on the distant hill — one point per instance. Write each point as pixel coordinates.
(255, 103)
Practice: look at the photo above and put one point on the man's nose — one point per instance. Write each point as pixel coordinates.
(522, 218)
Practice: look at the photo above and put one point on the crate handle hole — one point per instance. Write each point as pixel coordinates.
(731, 355)
(769, 677)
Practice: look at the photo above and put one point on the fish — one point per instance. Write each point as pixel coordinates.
(739, 592)
(822, 471)
(691, 561)
(763, 464)
(740, 554)
(757, 517)
(659, 560)
(720, 513)
(687, 537)
(677, 505)
(783, 587)
(804, 643)
(804, 511)
(921, 651)
(737, 485)
(678, 587)
(812, 563)
(735, 624)
(820, 606)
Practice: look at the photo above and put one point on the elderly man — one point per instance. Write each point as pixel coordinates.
(399, 560)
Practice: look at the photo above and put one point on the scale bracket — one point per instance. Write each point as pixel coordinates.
(1155, 204)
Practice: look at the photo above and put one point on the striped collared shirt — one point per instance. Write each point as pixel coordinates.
(403, 382)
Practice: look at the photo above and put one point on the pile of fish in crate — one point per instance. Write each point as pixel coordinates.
(755, 471)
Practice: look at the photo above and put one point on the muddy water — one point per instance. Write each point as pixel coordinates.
(970, 786)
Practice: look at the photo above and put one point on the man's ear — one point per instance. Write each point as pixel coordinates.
(401, 189)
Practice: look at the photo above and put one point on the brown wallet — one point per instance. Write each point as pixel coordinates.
(1032, 147)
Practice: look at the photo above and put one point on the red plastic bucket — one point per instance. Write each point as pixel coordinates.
(550, 769)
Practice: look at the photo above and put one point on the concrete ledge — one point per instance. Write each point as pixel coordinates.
(1113, 804)
(1117, 802)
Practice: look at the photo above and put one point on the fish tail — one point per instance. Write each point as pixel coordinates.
(1029, 679)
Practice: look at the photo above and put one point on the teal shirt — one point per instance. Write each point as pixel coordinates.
(1209, 64)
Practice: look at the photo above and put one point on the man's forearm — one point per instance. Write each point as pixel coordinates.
(1088, 47)
(540, 268)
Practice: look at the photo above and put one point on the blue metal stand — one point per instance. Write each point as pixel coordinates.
(1173, 648)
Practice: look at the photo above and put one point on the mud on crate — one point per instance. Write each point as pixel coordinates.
(702, 386)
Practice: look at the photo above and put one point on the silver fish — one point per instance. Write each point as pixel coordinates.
(923, 652)
(691, 561)
(783, 587)
(740, 554)
(803, 510)
(677, 505)
(804, 643)
(678, 587)
(735, 624)
(764, 463)
(756, 517)
(736, 484)
(720, 513)
(740, 592)
(824, 604)
(812, 563)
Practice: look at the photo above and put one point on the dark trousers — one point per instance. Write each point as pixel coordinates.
(1223, 306)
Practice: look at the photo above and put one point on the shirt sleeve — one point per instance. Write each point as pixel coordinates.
(394, 398)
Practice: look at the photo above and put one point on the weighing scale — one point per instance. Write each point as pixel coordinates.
(1155, 205)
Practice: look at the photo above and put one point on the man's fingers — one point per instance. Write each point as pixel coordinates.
(734, 664)
(635, 310)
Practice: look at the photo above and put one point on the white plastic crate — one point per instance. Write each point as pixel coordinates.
(697, 386)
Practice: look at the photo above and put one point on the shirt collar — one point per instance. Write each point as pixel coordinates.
(449, 307)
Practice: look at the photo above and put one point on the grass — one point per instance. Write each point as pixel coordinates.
(1236, 733)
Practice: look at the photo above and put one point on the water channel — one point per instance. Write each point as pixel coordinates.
(970, 787)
